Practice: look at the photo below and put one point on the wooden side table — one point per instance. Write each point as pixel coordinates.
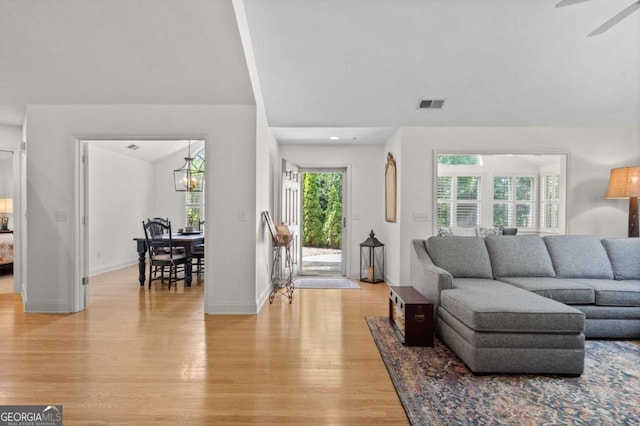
(411, 315)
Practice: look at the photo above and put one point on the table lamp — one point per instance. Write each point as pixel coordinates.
(6, 206)
(624, 182)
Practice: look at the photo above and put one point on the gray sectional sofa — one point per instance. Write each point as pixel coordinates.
(524, 304)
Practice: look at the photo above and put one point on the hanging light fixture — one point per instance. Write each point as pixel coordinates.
(190, 176)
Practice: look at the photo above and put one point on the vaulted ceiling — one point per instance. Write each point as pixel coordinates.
(121, 52)
(355, 69)
(327, 65)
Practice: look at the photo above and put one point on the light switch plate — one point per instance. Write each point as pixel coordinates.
(421, 217)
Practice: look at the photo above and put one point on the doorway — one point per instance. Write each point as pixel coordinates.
(11, 180)
(123, 182)
(323, 222)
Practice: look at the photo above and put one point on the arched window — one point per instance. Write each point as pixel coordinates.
(194, 201)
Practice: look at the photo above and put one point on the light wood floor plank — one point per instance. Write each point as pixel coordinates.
(152, 357)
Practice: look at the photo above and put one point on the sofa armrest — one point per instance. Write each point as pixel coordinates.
(426, 277)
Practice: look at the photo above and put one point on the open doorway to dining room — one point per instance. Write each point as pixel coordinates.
(126, 181)
(323, 222)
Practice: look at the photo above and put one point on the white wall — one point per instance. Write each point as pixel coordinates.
(229, 132)
(365, 189)
(267, 166)
(391, 232)
(6, 174)
(121, 196)
(10, 138)
(592, 153)
(267, 181)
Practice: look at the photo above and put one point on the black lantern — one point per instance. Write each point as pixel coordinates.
(189, 177)
(372, 260)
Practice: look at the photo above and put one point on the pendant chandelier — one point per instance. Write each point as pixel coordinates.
(189, 177)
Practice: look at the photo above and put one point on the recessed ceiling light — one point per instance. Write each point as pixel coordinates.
(334, 138)
(133, 147)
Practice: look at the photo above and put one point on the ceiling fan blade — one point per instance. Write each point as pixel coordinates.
(563, 3)
(619, 17)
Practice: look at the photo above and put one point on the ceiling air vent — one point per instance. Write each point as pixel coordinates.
(431, 103)
(133, 147)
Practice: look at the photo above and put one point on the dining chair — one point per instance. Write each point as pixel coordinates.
(198, 253)
(198, 257)
(161, 255)
(156, 230)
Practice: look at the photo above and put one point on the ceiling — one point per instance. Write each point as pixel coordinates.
(147, 150)
(327, 67)
(119, 52)
(354, 69)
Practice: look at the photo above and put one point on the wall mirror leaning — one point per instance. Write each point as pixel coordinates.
(488, 190)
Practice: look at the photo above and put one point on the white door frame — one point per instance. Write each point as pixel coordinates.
(79, 291)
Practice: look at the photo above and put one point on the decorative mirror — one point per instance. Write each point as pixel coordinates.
(390, 188)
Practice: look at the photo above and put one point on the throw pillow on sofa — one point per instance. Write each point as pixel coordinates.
(624, 254)
(490, 232)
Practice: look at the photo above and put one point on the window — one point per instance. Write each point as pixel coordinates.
(514, 201)
(458, 201)
(550, 201)
(194, 201)
(459, 159)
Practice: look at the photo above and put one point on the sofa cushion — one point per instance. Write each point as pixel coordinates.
(624, 254)
(578, 256)
(566, 291)
(462, 257)
(519, 256)
(479, 339)
(615, 292)
(510, 309)
(488, 284)
(610, 312)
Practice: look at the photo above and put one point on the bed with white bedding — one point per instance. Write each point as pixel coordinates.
(6, 252)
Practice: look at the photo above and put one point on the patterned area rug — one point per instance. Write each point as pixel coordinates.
(324, 283)
(436, 388)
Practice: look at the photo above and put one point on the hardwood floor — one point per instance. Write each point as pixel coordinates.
(152, 357)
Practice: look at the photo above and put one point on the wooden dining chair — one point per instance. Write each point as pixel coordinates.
(161, 254)
(198, 254)
(160, 226)
(198, 257)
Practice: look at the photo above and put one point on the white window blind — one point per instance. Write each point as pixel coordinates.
(514, 201)
(550, 201)
(458, 201)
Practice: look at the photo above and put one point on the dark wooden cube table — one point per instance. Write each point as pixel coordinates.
(411, 315)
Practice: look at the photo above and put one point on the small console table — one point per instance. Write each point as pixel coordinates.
(411, 315)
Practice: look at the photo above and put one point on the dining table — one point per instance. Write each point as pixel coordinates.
(187, 240)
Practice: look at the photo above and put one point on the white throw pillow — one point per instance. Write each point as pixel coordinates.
(459, 231)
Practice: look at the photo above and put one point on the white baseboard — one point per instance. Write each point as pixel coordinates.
(48, 307)
(230, 309)
(113, 267)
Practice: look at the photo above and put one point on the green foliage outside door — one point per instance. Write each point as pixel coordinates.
(322, 210)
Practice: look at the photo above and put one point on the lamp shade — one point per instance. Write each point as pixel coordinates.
(624, 182)
(6, 205)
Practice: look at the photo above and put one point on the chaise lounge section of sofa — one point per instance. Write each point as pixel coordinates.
(523, 304)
